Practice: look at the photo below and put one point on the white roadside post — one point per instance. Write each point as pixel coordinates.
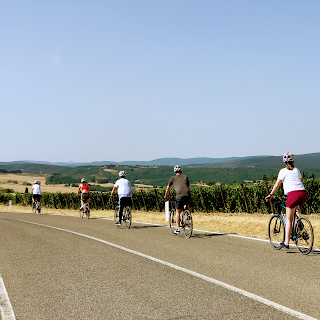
(166, 207)
(10, 204)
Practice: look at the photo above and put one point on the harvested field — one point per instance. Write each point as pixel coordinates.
(28, 178)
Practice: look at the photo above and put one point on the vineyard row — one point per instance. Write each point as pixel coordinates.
(225, 198)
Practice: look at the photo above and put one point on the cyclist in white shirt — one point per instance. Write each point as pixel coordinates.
(36, 191)
(294, 190)
(124, 193)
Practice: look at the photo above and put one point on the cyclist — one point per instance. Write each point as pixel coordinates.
(85, 192)
(180, 183)
(294, 190)
(36, 190)
(124, 193)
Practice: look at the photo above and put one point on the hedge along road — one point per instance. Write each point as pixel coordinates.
(58, 267)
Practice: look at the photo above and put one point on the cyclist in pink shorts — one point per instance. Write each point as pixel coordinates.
(293, 189)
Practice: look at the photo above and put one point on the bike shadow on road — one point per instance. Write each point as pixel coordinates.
(145, 226)
(296, 251)
(204, 235)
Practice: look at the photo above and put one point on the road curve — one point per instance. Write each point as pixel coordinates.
(61, 267)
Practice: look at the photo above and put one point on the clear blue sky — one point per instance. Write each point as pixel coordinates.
(85, 80)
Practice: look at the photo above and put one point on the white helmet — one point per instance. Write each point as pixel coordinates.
(122, 174)
(83, 180)
(36, 182)
(288, 157)
(177, 168)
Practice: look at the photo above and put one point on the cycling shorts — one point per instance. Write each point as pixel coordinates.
(182, 201)
(85, 196)
(125, 201)
(36, 197)
(296, 198)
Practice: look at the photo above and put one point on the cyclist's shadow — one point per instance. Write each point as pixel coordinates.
(144, 226)
(207, 234)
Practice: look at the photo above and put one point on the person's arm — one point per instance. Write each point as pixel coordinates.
(167, 192)
(274, 189)
(113, 190)
(78, 190)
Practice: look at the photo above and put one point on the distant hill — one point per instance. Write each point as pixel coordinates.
(157, 172)
(157, 162)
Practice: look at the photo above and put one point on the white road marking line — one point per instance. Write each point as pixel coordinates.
(5, 305)
(187, 271)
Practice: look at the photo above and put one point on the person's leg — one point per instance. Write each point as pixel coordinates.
(121, 207)
(178, 211)
(289, 217)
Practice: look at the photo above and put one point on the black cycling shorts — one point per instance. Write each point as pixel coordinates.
(36, 197)
(182, 201)
(85, 196)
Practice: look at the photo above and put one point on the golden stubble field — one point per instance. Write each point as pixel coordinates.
(250, 225)
(30, 178)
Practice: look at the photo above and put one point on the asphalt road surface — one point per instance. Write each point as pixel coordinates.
(62, 267)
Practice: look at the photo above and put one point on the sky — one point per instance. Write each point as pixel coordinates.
(120, 80)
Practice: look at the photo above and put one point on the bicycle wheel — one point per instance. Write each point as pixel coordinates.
(38, 208)
(187, 223)
(116, 216)
(304, 235)
(276, 231)
(172, 221)
(33, 207)
(127, 217)
(88, 212)
(81, 213)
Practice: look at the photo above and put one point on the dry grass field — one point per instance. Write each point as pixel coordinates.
(29, 178)
(250, 225)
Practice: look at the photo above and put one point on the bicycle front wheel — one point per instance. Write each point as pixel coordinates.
(127, 217)
(276, 231)
(304, 235)
(173, 221)
(187, 223)
(116, 216)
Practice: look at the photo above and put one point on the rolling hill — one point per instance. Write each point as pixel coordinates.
(157, 172)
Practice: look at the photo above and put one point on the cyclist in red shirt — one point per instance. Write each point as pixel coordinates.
(85, 191)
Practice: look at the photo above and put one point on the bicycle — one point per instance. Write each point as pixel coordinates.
(36, 206)
(126, 217)
(186, 222)
(84, 210)
(302, 231)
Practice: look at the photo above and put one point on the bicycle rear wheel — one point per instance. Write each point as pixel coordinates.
(127, 217)
(173, 221)
(33, 207)
(38, 207)
(304, 235)
(116, 216)
(187, 223)
(81, 213)
(276, 231)
(88, 212)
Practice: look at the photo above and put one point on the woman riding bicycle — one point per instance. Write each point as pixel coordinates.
(36, 191)
(293, 189)
(85, 191)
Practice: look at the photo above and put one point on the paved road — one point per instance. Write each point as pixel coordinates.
(50, 273)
